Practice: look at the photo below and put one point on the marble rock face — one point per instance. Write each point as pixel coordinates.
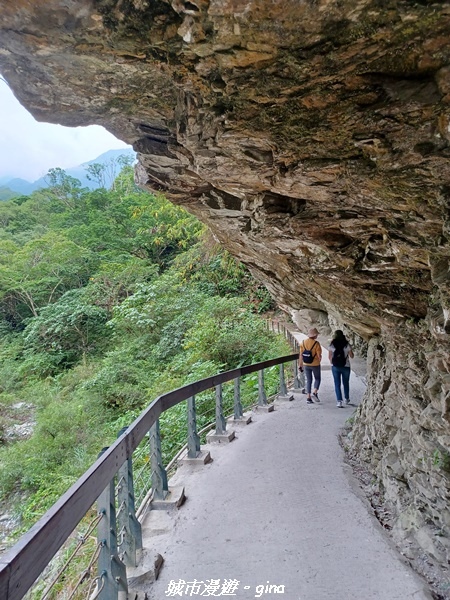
(312, 136)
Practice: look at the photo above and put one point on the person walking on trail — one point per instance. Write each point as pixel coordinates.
(340, 352)
(309, 360)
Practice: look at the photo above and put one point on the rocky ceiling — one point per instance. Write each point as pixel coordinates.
(312, 136)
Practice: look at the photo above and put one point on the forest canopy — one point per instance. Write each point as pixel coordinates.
(108, 298)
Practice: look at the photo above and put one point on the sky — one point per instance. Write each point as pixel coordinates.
(28, 148)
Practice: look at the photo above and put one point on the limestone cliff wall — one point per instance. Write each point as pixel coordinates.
(312, 136)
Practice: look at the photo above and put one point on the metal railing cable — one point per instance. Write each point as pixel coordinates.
(100, 589)
(86, 574)
(75, 552)
(21, 565)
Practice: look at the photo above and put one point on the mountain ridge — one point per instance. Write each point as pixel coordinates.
(11, 186)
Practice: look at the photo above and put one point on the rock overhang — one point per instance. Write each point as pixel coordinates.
(319, 122)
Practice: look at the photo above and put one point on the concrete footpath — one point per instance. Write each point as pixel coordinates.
(278, 514)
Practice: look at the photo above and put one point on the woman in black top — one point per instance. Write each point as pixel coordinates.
(339, 353)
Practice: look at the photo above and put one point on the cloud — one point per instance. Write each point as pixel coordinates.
(28, 149)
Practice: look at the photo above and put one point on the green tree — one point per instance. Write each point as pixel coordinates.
(104, 174)
(41, 271)
(127, 220)
(68, 329)
(62, 187)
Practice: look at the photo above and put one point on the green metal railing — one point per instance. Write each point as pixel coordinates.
(119, 532)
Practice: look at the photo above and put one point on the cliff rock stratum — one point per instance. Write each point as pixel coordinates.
(313, 138)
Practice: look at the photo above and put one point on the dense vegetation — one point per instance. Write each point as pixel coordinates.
(107, 299)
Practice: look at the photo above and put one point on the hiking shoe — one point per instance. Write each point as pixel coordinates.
(347, 401)
(339, 405)
(316, 397)
(309, 401)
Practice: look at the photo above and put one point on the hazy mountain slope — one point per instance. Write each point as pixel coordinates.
(109, 158)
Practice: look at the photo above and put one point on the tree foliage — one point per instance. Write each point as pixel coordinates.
(107, 299)
(67, 329)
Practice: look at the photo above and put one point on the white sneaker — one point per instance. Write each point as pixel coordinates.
(347, 401)
(339, 405)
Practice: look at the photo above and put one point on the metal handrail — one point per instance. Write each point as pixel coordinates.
(25, 561)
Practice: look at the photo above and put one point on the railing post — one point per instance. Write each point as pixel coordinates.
(112, 574)
(129, 528)
(301, 381)
(296, 378)
(262, 397)
(283, 388)
(221, 425)
(238, 411)
(159, 474)
(283, 395)
(193, 438)
(220, 434)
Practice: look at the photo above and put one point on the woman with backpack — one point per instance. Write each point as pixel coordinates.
(309, 360)
(339, 353)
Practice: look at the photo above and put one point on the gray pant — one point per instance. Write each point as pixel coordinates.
(311, 372)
